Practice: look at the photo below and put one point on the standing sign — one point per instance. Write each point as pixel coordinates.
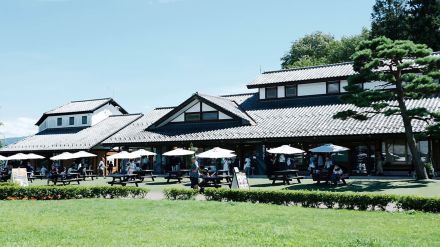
(240, 180)
(19, 176)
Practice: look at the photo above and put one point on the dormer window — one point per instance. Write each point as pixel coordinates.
(291, 91)
(271, 93)
(84, 120)
(59, 121)
(210, 116)
(192, 117)
(333, 87)
(71, 120)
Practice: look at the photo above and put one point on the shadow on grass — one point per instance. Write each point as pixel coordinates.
(363, 186)
(153, 183)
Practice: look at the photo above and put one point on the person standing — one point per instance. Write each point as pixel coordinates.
(194, 173)
(110, 168)
(101, 167)
(247, 166)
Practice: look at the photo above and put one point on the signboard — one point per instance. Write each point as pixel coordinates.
(240, 180)
(19, 176)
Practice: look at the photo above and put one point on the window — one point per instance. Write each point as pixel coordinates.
(84, 120)
(291, 91)
(71, 120)
(333, 87)
(396, 151)
(210, 116)
(271, 93)
(192, 117)
(59, 121)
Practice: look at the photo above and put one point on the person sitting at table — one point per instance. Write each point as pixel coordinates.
(328, 163)
(336, 175)
(43, 171)
(71, 170)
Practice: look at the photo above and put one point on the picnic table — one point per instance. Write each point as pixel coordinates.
(89, 174)
(124, 179)
(177, 175)
(64, 179)
(324, 175)
(147, 174)
(215, 180)
(286, 176)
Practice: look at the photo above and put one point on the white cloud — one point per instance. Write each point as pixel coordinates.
(18, 127)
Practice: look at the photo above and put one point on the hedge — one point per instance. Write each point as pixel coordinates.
(316, 199)
(180, 194)
(68, 192)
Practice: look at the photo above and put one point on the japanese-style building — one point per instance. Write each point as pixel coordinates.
(291, 106)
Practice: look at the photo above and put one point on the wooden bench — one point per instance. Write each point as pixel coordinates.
(148, 176)
(124, 183)
(327, 177)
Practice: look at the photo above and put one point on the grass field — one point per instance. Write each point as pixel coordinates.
(387, 186)
(194, 223)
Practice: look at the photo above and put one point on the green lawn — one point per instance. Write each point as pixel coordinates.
(388, 186)
(102, 222)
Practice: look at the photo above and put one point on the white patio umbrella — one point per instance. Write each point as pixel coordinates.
(179, 152)
(63, 156)
(123, 155)
(217, 153)
(83, 154)
(3, 157)
(143, 152)
(285, 149)
(329, 148)
(32, 156)
(19, 156)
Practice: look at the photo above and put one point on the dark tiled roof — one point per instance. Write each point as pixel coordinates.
(223, 104)
(82, 106)
(72, 138)
(303, 74)
(311, 73)
(281, 122)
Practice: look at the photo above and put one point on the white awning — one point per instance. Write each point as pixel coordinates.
(123, 155)
(143, 152)
(32, 156)
(3, 157)
(217, 153)
(179, 152)
(83, 154)
(329, 148)
(286, 149)
(63, 156)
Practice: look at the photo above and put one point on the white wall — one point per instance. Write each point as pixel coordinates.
(343, 84)
(195, 107)
(51, 121)
(92, 118)
(312, 88)
(104, 112)
(262, 93)
(281, 92)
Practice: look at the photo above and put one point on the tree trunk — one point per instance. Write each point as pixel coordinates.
(416, 158)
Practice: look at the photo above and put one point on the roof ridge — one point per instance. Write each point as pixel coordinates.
(126, 115)
(239, 94)
(86, 100)
(164, 107)
(307, 67)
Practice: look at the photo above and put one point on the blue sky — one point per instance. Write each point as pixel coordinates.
(148, 53)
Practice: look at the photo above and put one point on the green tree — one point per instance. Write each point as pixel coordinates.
(319, 48)
(416, 20)
(390, 19)
(424, 22)
(312, 49)
(385, 60)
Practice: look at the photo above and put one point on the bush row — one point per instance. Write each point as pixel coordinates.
(68, 192)
(315, 199)
(180, 194)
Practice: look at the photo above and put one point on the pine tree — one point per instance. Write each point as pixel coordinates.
(410, 71)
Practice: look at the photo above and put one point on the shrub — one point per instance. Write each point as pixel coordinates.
(68, 192)
(8, 184)
(315, 199)
(180, 194)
